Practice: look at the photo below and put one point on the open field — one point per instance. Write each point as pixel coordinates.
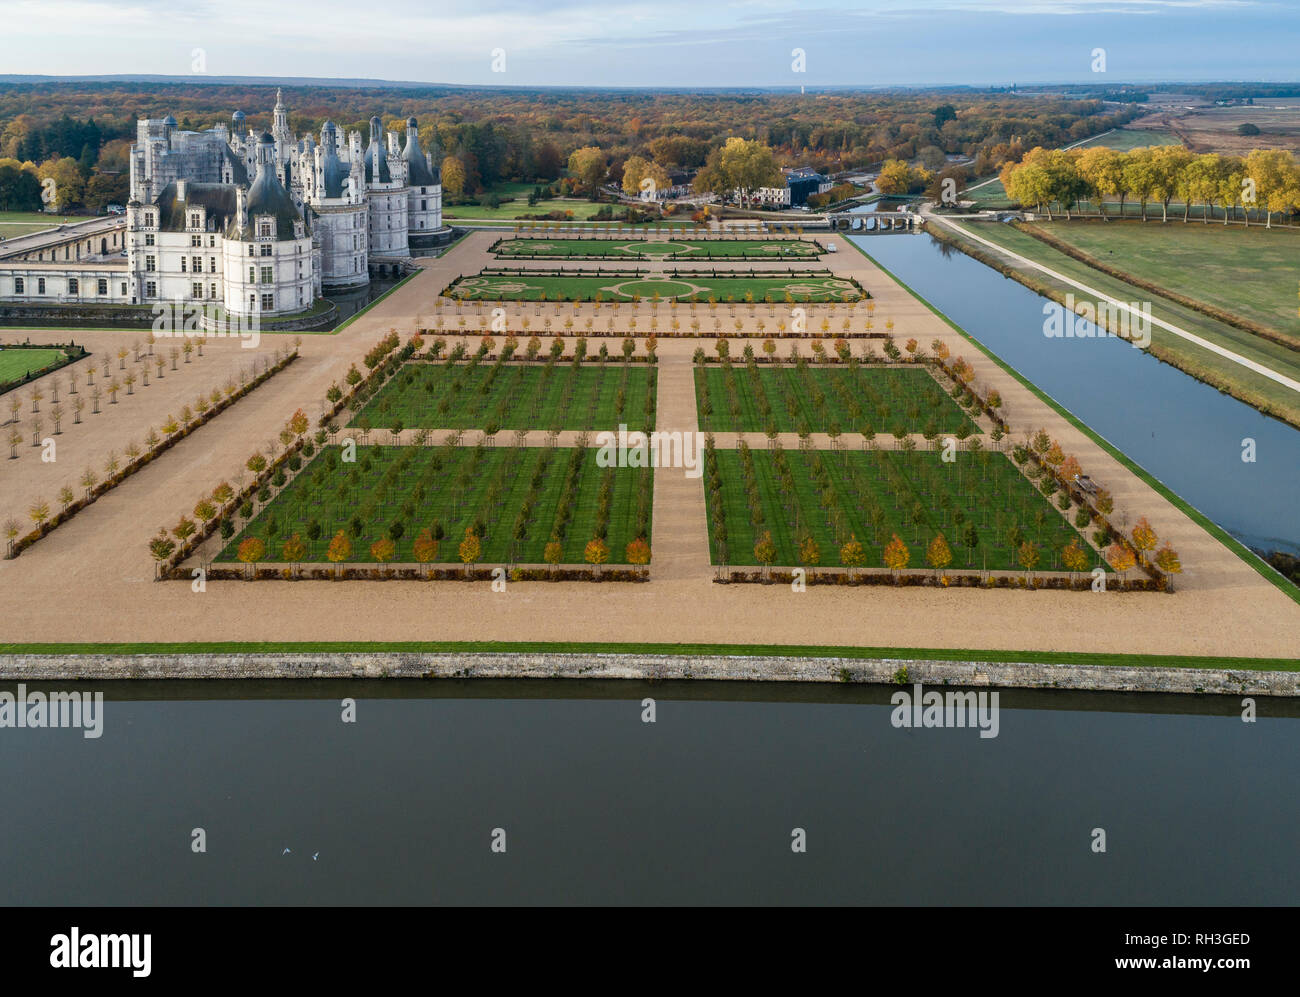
(17, 362)
(1252, 273)
(982, 505)
(792, 399)
(1124, 139)
(1214, 129)
(14, 223)
(515, 498)
(561, 396)
(684, 286)
(674, 249)
(1241, 382)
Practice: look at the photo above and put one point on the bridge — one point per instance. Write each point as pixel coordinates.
(874, 223)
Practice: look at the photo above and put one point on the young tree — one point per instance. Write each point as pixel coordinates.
(1074, 557)
(251, 549)
(765, 551)
(852, 554)
(383, 550)
(340, 548)
(896, 555)
(1167, 561)
(938, 555)
(470, 549)
(638, 551)
(596, 552)
(425, 549)
(1028, 556)
(1144, 538)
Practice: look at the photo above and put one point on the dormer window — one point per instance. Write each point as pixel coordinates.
(196, 220)
(264, 229)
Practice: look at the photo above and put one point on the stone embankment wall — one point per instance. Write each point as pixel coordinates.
(742, 668)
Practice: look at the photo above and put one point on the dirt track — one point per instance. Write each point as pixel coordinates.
(91, 579)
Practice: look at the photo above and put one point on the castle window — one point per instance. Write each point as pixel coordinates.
(150, 289)
(124, 289)
(264, 230)
(18, 285)
(40, 285)
(150, 263)
(196, 240)
(195, 221)
(266, 250)
(212, 290)
(148, 239)
(212, 264)
(252, 275)
(267, 275)
(268, 301)
(212, 241)
(103, 286)
(424, 205)
(197, 264)
(182, 264)
(252, 250)
(74, 285)
(197, 290)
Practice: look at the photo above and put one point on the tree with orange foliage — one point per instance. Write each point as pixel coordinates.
(250, 550)
(1119, 557)
(938, 555)
(852, 554)
(340, 548)
(896, 555)
(553, 553)
(1074, 557)
(596, 552)
(1144, 537)
(425, 548)
(1167, 561)
(470, 549)
(638, 551)
(383, 550)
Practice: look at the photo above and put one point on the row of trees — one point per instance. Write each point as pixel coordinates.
(1265, 181)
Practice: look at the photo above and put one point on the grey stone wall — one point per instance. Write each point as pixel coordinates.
(362, 664)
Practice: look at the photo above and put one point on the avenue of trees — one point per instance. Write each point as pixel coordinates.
(1265, 181)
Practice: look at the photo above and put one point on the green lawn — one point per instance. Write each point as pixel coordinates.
(561, 396)
(13, 223)
(988, 195)
(512, 493)
(16, 362)
(519, 207)
(792, 398)
(875, 494)
(1201, 363)
(685, 286)
(1253, 273)
(640, 249)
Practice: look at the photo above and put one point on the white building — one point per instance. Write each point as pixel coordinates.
(259, 224)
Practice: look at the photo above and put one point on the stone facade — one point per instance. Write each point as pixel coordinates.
(260, 224)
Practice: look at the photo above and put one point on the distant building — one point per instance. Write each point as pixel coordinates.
(260, 224)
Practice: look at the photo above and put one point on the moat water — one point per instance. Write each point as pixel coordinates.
(597, 806)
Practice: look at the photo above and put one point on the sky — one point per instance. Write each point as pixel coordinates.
(680, 43)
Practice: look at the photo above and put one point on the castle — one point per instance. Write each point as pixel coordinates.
(260, 224)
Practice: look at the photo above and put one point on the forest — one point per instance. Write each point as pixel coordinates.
(497, 135)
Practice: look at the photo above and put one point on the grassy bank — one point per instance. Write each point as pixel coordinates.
(1231, 378)
(1243, 277)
